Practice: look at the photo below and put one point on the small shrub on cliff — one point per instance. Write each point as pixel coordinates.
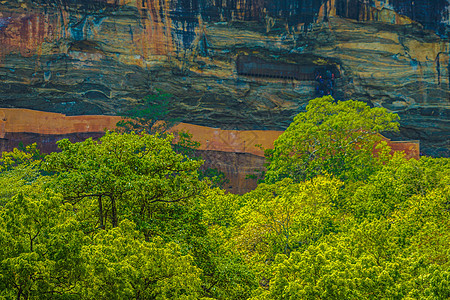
(149, 116)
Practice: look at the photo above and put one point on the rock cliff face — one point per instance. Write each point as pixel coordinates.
(234, 64)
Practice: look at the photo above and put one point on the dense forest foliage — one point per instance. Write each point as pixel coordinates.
(128, 217)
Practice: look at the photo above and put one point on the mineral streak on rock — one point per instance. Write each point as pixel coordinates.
(103, 56)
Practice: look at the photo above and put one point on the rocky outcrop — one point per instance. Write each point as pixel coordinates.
(242, 170)
(23, 122)
(238, 154)
(102, 56)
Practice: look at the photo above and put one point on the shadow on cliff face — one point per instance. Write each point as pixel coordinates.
(80, 5)
(429, 13)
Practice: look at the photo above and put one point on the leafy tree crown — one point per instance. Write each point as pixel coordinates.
(334, 137)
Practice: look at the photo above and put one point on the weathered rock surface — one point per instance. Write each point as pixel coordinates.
(102, 56)
(24, 122)
(236, 153)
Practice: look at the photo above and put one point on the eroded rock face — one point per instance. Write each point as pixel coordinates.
(103, 56)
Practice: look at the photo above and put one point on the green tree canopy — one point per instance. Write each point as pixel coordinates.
(29, 155)
(46, 254)
(127, 172)
(40, 252)
(330, 137)
(120, 264)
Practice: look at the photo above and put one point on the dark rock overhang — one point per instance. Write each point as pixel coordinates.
(305, 69)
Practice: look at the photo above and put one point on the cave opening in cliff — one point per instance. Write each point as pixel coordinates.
(323, 73)
(247, 65)
(85, 46)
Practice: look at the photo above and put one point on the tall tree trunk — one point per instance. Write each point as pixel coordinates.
(100, 209)
(113, 212)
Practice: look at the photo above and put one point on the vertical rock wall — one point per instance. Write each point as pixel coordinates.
(104, 56)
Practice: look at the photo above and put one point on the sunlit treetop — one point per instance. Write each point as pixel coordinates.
(334, 137)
